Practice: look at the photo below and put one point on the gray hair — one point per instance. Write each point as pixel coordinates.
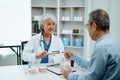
(101, 18)
(44, 17)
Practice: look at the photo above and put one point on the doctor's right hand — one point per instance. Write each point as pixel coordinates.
(41, 55)
(68, 55)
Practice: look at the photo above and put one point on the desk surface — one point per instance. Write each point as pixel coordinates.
(18, 72)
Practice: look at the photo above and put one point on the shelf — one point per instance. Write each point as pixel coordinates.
(72, 7)
(73, 47)
(71, 34)
(37, 11)
(73, 20)
(70, 16)
(52, 11)
(39, 6)
(72, 2)
(42, 3)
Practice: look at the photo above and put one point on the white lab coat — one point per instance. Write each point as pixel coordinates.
(33, 47)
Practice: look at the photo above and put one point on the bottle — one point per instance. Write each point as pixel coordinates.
(66, 41)
(72, 63)
(78, 42)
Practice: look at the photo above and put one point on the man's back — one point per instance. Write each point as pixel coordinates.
(112, 58)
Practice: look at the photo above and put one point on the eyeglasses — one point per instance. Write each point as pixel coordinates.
(86, 26)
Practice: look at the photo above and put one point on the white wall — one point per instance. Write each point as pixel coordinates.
(114, 10)
(15, 21)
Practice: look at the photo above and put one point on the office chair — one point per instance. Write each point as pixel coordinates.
(23, 43)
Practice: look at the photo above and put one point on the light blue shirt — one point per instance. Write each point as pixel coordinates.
(104, 63)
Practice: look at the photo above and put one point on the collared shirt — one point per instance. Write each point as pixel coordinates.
(104, 63)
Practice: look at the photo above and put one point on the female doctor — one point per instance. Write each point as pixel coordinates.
(40, 45)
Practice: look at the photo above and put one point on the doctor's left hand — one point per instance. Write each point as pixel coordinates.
(41, 55)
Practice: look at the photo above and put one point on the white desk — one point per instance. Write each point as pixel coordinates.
(18, 73)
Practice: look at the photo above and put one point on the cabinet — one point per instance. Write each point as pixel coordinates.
(39, 7)
(70, 16)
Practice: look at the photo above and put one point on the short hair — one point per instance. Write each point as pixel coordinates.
(44, 17)
(101, 18)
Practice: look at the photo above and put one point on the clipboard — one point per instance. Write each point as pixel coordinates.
(57, 69)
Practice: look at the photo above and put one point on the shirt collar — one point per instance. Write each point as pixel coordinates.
(101, 38)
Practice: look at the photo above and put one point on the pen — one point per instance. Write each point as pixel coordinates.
(53, 65)
(53, 52)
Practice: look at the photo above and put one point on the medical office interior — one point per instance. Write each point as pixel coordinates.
(18, 22)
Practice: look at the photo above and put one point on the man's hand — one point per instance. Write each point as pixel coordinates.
(68, 55)
(65, 72)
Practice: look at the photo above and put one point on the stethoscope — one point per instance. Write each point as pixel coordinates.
(41, 42)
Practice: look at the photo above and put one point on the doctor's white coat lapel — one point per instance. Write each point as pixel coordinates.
(56, 44)
(53, 43)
